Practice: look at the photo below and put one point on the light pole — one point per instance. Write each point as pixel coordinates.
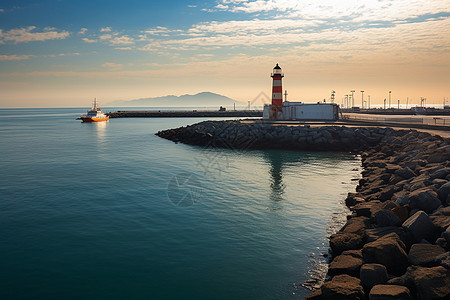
(384, 103)
(369, 101)
(353, 99)
(389, 99)
(346, 100)
(362, 99)
(398, 102)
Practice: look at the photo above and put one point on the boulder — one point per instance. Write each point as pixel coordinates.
(420, 227)
(386, 217)
(402, 212)
(441, 218)
(385, 292)
(356, 225)
(343, 287)
(444, 191)
(377, 233)
(443, 260)
(372, 274)
(430, 283)
(349, 262)
(388, 251)
(315, 295)
(406, 173)
(424, 199)
(424, 254)
(345, 241)
(440, 174)
(446, 235)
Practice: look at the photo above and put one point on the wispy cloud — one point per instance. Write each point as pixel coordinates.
(2, 10)
(82, 31)
(23, 35)
(87, 40)
(112, 66)
(14, 57)
(105, 29)
(122, 40)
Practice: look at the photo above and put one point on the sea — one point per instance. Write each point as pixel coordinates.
(109, 210)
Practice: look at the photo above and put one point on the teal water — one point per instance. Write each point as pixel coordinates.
(111, 211)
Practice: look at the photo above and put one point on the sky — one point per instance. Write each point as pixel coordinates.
(61, 53)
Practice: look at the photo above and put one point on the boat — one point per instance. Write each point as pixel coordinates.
(95, 114)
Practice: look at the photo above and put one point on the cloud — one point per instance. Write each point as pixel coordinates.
(2, 10)
(14, 57)
(82, 31)
(105, 37)
(124, 48)
(111, 65)
(105, 29)
(23, 35)
(121, 40)
(89, 40)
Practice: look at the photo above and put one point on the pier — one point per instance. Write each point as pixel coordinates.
(186, 114)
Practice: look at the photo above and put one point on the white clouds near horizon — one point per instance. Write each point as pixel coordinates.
(27, 34)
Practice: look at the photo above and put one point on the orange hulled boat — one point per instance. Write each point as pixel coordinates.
(95, 114)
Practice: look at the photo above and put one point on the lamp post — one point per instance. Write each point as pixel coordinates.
(389, 99)
(362, 99)
(353, 99)
(346, 100)
(384, 103)
(369, 101)
(398, 102)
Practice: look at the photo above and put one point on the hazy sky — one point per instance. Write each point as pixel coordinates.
(65, 53)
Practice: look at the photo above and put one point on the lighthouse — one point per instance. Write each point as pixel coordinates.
(277, 93)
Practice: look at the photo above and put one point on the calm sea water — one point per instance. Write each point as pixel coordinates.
(111, 211)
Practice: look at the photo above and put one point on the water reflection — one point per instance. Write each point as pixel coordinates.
(276, 160)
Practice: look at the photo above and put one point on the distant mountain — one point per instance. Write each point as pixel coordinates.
(200, 99)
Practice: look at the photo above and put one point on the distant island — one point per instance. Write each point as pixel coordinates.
(200, 99)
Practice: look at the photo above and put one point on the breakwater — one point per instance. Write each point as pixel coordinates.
(395, 244)
(186, 114)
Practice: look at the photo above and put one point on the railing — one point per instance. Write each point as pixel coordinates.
(433, 121)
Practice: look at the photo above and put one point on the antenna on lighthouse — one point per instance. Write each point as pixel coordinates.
(285, 95)
(332, 96)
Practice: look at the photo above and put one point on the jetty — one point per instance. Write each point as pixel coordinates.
(186, 114)
(396, 242)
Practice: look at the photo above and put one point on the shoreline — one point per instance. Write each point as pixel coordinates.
(399, 228)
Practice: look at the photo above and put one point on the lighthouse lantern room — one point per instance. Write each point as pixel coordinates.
(277, 93)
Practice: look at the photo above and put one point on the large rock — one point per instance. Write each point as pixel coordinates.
(349, 262)
(386, 292)
(443, 260)
(446, 235)
(372, 274)
(388, 251)
(343, 287)
(430, 283)
(386, 217)
(356, 225)
(420, 227)
(340, 242)
(424, 199)
(424, 254)
(378, 232)
(406, 173)
(402, 212)
(441, 218)
(444, 191)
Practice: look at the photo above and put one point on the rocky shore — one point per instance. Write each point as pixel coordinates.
(396, 242)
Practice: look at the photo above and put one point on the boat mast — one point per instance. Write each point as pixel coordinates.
(95, 104)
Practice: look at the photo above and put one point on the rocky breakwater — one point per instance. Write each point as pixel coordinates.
(396, 242)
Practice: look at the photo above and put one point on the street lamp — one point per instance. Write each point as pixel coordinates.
(362, 99)
(389, 99)
(369, 101)
(353, 99)
(384, 103)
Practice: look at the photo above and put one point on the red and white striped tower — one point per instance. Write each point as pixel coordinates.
(277, 92)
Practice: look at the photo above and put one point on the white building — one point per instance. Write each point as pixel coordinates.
(305, 111)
